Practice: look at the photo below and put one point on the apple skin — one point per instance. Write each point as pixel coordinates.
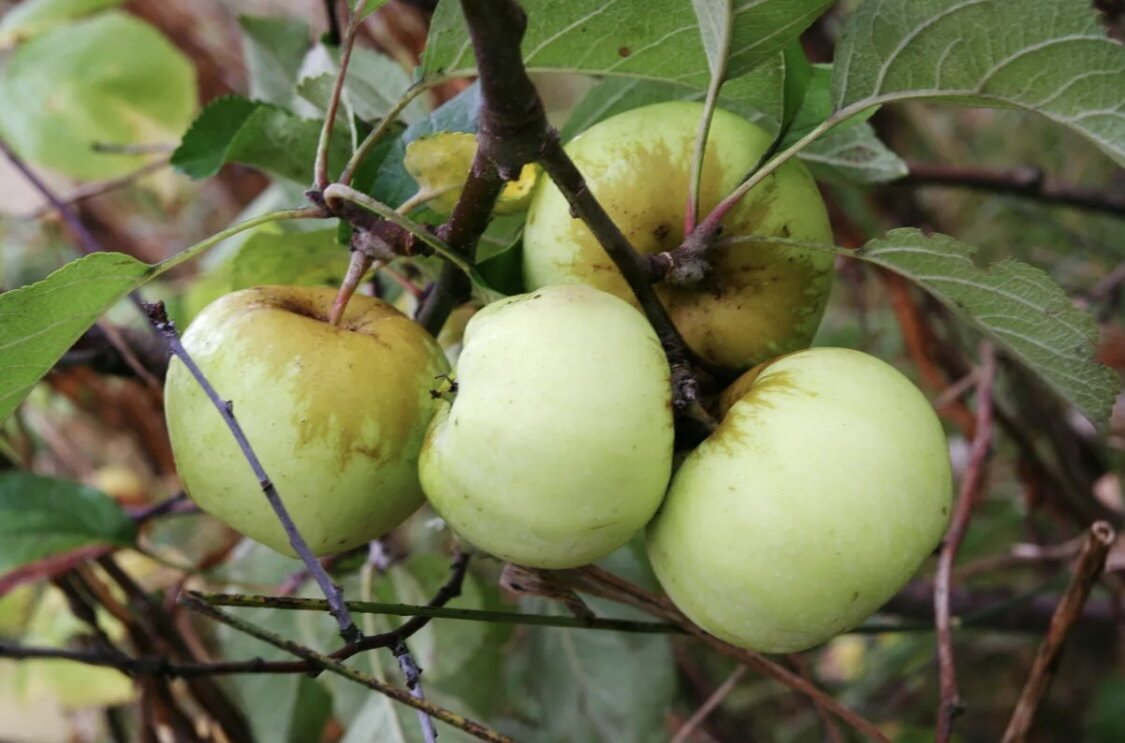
(760, 300)
(335, 414)
(822, 491)
(557, 446)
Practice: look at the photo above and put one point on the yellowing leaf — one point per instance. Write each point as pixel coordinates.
(440, 164)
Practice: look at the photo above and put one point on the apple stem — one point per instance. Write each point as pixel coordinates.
(357, 267)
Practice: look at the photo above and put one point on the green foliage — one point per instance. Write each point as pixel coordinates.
(33, 17)
(38, 322)
(236, 130)
(1016, 305)
(656, 40)
(273, 48)
(42, 516)
(108, 79)
(1052, 57)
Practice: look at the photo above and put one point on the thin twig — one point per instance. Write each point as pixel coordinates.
(709, 705)
(1029, 183)
(410, 610)
(320, 169)
(950, 705)
(1090, 564)
(100, 188)
(327, 663)
(348, 629)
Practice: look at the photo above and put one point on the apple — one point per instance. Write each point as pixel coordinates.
(760, 300)
(823, 489)
(556, 446)
(336, 414)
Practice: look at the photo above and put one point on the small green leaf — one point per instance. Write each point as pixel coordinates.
(1016, 305)
(42, 516)
(109, 79)
(853, 154)
(261, 135)
(38, 322)
(1052, 57)
(273, 48)
(34, 17)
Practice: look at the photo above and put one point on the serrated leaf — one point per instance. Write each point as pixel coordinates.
(853, 154)
(109, 79)
(34, 17)
(1016, 305)
(42, 516)
(654, 40)
(261, 135)
(38, 322)
(1048, 56)
(273, 48)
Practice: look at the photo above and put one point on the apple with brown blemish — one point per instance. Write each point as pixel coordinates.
(760, 300)
(335, 413)
(822, 491)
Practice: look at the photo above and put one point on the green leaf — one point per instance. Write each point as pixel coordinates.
(310, 711)
(38, 322)
(33, 17)
(270, 256)
(261, 135)
(656, 40)
(109, 79)
(1048, 56)
(42, 516)
(273, 48)
(853, 154)
(1105, 719)
(1014, 304)
(370, 7)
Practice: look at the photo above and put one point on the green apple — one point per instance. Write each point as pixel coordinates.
(336, 414)
(760, 300)
(557, 445)
(824, 488)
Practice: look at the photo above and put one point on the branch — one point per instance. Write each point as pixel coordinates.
(950, 704)
(1090, 564)
(1030, 183)
(348, 630)
(320, 168)
(100, 188)
(327, 663)
(514, 131)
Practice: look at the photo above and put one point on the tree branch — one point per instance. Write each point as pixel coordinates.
(327, 663)
(348, 629)
(1030, 183)
(950, 705)
(1090, 564)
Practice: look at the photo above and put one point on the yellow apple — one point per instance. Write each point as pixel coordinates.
(557, 445)
(760, 300)
(824, 488)
(336, 414)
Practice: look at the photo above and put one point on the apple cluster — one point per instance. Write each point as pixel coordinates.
(824, 486)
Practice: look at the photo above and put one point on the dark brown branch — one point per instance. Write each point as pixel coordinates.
(348, 629)
(514, 131)
(462, 232)
(950, 705)
(1029, 183)
(1090, 564)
